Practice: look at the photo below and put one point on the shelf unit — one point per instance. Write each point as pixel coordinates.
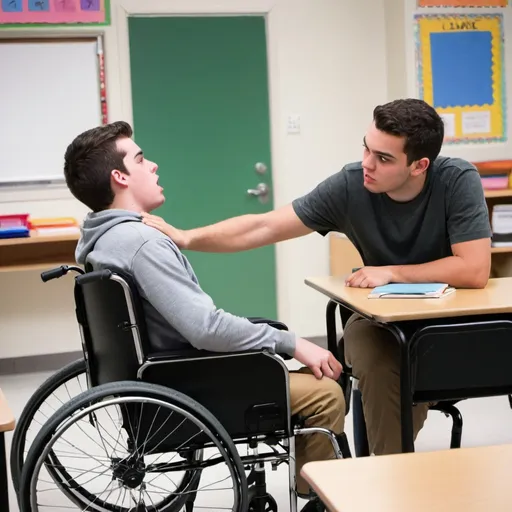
(37, 252)
(501, 265)
(491, 194)
(501, 256)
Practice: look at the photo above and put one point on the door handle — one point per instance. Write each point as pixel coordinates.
(261, 192)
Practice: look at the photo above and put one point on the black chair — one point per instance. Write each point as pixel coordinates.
(178, 406)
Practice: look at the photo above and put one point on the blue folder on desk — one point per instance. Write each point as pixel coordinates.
(411, 291)
(14, 232)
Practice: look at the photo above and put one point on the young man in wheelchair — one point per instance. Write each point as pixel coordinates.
(107, 171)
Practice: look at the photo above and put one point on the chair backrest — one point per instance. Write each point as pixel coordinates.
(458, 360)
(112, 324)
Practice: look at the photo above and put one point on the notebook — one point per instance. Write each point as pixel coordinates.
(411, 291)
(14, 232)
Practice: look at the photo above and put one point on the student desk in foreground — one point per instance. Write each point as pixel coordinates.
(463, 480)
(469, 332)
(6, 425)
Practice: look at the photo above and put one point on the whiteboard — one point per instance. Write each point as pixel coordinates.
(49, 93)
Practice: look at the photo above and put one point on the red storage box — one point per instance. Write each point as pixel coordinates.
(14, 221)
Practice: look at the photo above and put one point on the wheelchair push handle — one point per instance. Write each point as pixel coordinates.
(55, 273)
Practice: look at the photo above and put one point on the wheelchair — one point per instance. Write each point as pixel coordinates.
(130, 430)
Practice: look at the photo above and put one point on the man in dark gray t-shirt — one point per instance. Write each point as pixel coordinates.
(412, 215)
(450, 209)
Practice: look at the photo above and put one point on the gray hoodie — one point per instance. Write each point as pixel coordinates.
(177, 310)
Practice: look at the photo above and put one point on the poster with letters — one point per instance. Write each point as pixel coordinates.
(462, 3)
(54, 12)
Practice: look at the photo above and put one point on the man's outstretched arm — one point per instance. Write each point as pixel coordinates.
(235, 234)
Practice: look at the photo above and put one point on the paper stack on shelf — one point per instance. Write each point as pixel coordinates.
(501, 224)
(495, 174)
(495, 182)
(55, 226)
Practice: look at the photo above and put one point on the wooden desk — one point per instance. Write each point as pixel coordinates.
(495, 298)
(482, 317)
(6, 425)
(37, 252)
(463, 480)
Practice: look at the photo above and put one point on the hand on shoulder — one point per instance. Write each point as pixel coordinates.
(178, 236)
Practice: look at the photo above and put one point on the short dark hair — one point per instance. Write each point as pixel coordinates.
(89, 161)
(415, 120)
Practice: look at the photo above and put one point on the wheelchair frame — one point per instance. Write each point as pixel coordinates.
(135, 326)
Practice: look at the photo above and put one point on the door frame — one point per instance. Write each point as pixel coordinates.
(123, 9)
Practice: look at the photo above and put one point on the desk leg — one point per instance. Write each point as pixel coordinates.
(4, 489)
(359, 424)
(405, 392)
(330, 317)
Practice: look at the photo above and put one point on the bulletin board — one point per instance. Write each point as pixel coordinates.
(461, 73)
(53, 12)
(462, 3)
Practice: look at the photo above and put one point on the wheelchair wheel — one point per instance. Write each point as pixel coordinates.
(121, 447)
(50, 396)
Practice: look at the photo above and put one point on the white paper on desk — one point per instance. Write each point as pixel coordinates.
(449, 125)
(476, 122)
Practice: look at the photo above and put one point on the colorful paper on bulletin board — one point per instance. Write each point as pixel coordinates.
(462, 3)
(461, 73)
(54, 12)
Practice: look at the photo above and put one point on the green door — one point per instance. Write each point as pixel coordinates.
(201, 112)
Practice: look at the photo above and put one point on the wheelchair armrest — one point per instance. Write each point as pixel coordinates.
(273, 323)
(196, 353)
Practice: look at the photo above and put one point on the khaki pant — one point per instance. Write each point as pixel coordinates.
(374, 355)
(323, 404)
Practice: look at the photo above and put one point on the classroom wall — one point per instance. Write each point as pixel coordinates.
(328, 64)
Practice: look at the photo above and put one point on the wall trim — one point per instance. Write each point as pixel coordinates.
(41, 363)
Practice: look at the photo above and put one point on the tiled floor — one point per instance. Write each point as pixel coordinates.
(486, 422)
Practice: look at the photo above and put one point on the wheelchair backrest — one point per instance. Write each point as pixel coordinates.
(247, 393)
(112, 325)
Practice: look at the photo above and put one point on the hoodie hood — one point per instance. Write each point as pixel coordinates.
(95, 225)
